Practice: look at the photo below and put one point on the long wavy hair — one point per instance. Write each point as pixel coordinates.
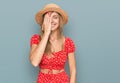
(59, 35)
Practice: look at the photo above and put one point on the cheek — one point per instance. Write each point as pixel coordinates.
(58, 24)
(57, 21)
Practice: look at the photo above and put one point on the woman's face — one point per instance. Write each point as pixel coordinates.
(54, 20)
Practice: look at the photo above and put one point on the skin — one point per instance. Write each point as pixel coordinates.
(50, 26)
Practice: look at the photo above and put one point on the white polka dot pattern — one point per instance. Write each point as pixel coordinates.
(56, 62)
(34, 39)
(53, 78)
(70, 46)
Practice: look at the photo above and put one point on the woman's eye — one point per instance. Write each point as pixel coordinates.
(55, 17)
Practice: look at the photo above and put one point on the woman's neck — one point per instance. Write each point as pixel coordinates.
(55, 35)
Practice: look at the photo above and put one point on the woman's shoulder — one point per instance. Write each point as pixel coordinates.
(69, 39)
(70, 44)
(35, 36)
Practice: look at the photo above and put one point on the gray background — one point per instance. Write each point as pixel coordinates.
(94, 25)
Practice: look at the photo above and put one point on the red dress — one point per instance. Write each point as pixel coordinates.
(57, 62)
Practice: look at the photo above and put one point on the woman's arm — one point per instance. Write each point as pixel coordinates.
(37, 50)
(72, 67)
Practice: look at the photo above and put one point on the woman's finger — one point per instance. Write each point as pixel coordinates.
(45, 18)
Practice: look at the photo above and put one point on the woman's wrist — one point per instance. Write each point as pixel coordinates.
(46, 33)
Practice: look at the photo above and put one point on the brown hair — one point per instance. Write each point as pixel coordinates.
(60, 33)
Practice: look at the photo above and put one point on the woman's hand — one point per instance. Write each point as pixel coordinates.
(46, 27)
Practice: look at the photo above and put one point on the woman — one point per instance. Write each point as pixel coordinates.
(51, 49)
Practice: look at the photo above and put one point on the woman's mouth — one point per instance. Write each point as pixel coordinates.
(53, 25)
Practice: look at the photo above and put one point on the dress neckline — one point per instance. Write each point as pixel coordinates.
(53, 53)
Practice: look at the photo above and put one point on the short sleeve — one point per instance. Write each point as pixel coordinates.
(34, 39)
(70, 45)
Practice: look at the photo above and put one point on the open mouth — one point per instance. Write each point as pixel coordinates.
(53, 25)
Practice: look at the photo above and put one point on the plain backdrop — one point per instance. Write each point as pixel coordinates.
(94, 25)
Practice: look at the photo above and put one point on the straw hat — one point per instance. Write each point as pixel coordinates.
(51, 7)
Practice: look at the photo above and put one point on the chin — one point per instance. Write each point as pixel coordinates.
(54, 28)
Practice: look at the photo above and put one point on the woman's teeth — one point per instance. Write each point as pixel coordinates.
(53, 24)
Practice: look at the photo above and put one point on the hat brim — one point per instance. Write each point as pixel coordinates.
(39, 15)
